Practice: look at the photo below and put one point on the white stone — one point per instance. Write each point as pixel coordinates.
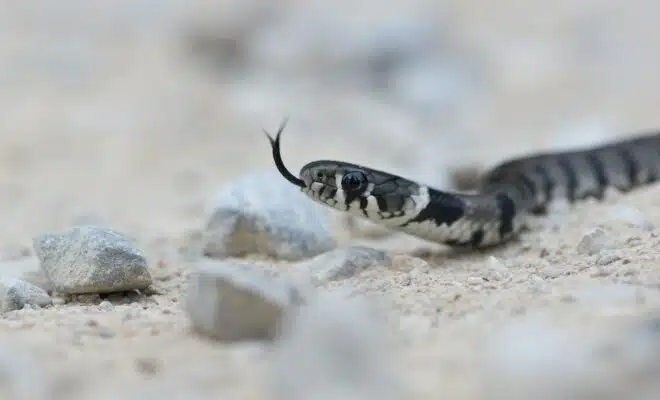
(263, 214)
(88, 259)
(230, 301)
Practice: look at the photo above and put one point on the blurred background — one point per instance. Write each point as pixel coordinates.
(132, 113)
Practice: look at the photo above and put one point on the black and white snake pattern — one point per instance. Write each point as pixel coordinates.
(508, 193)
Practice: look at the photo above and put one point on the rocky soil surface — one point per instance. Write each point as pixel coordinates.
(149, 249)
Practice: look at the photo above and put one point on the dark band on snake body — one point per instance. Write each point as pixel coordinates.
(509, 191)
(507, 212)
(546, 186)
(564, 163)
(453, 209)
(599, 172)
(629, 164)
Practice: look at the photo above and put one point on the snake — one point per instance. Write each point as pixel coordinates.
(506, 196)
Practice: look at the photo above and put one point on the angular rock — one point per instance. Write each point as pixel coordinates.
(497, 271)
(343, 263)
(607, 257)
(592, 242)
(15, 294)
(263, 214)
(88, 259)
(231, 301)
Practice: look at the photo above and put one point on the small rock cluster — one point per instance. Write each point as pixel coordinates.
(262, 214)
(237, 301)
(231, 300)
(327, 343)
(82, 260)
(16, 294)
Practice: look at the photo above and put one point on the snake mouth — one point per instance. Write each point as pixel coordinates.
(277, 156)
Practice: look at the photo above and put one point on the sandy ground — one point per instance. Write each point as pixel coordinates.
(107, 118)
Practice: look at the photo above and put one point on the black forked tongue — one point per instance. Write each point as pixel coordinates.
(277, 156)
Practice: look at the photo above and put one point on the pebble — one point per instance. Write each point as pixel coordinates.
(592, 242)
(496, 269)
(405, 280)
(334, 347)
(16, 294)
(552, 271)
(343, 263)
(231, 301)
(475, 280)
(88, 259)
(607, 257)
(537, 284)
(105, 306)
(263, 214)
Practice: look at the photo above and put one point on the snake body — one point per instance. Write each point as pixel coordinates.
(508, 193)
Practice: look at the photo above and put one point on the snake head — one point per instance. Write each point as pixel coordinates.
(350, 187)
(321, 180)
(360, 190)
(331, 181)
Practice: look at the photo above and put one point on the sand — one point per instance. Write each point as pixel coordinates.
(108, 119)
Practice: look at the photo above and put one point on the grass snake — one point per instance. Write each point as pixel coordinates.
(508, 193)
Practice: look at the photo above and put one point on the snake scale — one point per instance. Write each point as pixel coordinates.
(508, 193)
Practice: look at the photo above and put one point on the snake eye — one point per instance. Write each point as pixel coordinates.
(353, 181)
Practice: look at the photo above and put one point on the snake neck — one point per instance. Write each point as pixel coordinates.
(469, 220)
